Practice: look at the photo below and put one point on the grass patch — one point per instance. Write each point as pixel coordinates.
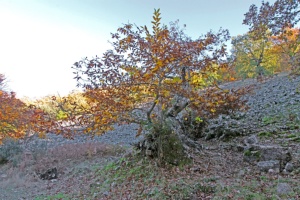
(60, 196)
(259, 188)
(293, 126)
(141, 178)
(265, 134)
(296, 139)
(266, 120)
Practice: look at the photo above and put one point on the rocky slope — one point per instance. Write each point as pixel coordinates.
(274, 107)
(273, 118)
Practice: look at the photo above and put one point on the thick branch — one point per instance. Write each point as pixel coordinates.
(173, 112)
(151, 109)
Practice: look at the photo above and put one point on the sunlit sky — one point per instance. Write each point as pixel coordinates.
(41, 39)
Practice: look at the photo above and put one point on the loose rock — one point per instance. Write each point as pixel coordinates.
(284, 188)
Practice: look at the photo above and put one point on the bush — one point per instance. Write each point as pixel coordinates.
(9, 151)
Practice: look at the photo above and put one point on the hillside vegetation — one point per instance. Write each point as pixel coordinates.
(165, 116)
(107, 168)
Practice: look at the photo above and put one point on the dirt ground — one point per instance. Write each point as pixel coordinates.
(219, 165)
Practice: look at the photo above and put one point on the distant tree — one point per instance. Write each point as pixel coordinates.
(253, 57)
(61, 107)
(285, 15)
(258, 20)
(152, 78)
(287, 46)
(272, 20)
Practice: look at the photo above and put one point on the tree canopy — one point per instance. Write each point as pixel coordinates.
(162, 66)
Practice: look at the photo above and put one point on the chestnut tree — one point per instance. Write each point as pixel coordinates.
(153, 77)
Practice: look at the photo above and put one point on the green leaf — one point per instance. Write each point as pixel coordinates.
(198, 119)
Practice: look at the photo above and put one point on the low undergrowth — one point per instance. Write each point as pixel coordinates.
(97, 171)
(19, 175)
(140, 178)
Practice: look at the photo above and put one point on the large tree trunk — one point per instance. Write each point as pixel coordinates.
(167, 139)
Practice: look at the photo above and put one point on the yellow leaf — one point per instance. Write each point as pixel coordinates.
(159, 63)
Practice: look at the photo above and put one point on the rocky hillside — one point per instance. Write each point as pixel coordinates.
(274, 107)
(262, 161)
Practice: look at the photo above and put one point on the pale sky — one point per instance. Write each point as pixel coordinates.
(41, 39)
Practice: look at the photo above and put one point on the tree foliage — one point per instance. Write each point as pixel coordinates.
(61, 107)
(162, 67)
(284, 14)
(254, 57)
(16, 118)
(256, 41)
(11, 123)
(287, 46)
(257, 51)
(275, 17)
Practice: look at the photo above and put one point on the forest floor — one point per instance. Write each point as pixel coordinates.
(108, 170)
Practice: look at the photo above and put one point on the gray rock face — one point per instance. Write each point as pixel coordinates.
(267, 157)
(272, 153)
(283, 188)
(289, 167)
(267, 108)
(251, 140)
(265, 166)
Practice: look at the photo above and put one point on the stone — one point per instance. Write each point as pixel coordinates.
(289, 167)
(271, 171)
(251, 156)
(241, 173)
(195, 169)
(49, 174)
(3, 176)
(251, 140)
(239, 148)
(258, 153)
(283, 188)
(265, 166)
(149, 152)
(272, 153)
